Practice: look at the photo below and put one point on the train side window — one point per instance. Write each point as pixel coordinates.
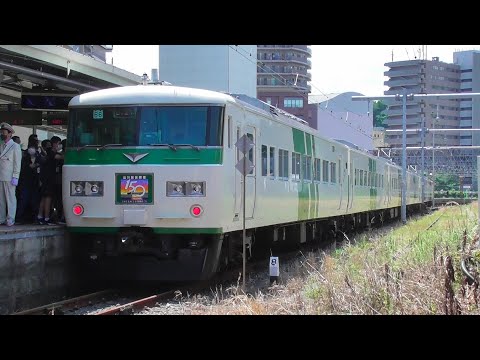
(229, 131)
(295, 166)
(325, 170)
(238, 137)
(283, 164)
(361, 178)
(317, 165)
(272, 162)
(250, 152)
(333, 174)
(340, 171)
(264, 160)
(307, 168)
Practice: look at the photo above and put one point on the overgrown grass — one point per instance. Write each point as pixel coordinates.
(399, 270)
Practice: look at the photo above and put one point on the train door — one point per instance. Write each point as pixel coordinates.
(250, 190)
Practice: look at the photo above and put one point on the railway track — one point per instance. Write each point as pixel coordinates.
(134, 303)
(130, 304)
(68, 305)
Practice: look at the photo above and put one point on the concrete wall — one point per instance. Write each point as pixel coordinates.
(34, 266)
(211, 67)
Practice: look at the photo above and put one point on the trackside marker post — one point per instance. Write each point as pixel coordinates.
(274, 269)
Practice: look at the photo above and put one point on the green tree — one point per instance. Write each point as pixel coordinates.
(446, 182)
(379, 115)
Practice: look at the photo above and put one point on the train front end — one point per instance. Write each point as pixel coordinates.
(142, 183)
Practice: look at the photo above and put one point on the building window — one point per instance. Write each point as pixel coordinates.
(268, 100)
(293, 103)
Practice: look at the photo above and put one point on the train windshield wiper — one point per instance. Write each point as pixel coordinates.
(108, 145)
(192, 146)
(169, 145)
(87, 146)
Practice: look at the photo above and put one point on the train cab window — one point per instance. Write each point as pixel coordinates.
(102, 125)
(145, 125)
(264, 160)
(271, 171)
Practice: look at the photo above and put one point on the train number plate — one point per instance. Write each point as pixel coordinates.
(134, 189)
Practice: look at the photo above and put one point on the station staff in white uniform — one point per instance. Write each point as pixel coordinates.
(10, 164)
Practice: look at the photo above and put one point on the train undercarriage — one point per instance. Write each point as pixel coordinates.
(139, 254)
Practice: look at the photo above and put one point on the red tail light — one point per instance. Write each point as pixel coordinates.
(77, 209)
(196, 210)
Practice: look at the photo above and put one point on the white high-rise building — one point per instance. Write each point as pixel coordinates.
(469, 62)
(225, 68)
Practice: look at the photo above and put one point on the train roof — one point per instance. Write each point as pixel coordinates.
(153, 94)
(149, 94)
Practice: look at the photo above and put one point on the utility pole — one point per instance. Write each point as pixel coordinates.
(422, 141)
(404, 158)
(433, 157)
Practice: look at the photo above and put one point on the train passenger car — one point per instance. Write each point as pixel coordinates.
(151, 190)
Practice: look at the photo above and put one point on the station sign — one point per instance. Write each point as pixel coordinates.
(46, 101)
(21, 117)
(57, 118)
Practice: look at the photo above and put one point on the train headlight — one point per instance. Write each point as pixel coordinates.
(77, 188)
(94, 188)
(175, 188)
(86, 188)
(196, 188)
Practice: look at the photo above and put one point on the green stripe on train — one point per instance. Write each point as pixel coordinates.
(164, 156)
(114, 230)
(302, 144)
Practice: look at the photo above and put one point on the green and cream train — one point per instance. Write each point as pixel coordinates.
(151, 189)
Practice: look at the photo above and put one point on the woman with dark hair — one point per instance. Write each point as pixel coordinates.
(47, 183)
(28, 184)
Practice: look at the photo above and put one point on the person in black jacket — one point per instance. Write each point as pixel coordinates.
(28, 185)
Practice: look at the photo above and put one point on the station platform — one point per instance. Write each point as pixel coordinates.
(34, 265)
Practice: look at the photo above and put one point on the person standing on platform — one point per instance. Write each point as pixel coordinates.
(10, 165)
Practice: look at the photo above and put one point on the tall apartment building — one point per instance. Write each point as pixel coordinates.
(423, 77)
(469, 62)
(282, 79)
(224, 68)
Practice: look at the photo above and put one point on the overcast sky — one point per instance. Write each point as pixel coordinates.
(335, 68)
